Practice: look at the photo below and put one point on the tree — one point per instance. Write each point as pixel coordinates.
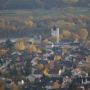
(66, 34)
(76, 37)
(8, 44)
(70, 1)
(46, 71)
(60, 36)
(20, 45)
(67, 25)
(29, 22)
(54, 39)
(83, 33)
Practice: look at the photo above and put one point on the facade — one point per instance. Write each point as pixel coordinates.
(55, 33)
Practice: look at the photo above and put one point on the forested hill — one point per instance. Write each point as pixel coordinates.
(46, 4)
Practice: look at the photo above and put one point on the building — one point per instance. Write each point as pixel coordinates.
(55, 33)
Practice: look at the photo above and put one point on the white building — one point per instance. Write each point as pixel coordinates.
(55, 33)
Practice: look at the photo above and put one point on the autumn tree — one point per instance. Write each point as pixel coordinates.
(29, 22)
(54, 39)
(70, 2)
(67, 25)
(66, 34)
(83, 33)
(76, 37)
(20, 45)
(61, 36)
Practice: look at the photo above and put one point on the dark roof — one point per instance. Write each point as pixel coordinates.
(54, 27)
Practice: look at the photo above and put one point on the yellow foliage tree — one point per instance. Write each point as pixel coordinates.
(57, 57)
(39, 50)
(54, 39)
(33, 48)
(46, 71)
(66, 25)
(20, 45)
(83, 33)
(66, 34)
(29, 22)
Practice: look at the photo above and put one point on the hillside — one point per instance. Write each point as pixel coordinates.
(46, 4)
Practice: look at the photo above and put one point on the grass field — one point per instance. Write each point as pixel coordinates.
(42, 12)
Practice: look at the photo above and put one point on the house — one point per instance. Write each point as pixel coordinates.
(65, 43)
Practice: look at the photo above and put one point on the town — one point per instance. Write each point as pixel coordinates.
(40, 63)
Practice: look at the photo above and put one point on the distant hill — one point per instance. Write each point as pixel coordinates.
(46, 4)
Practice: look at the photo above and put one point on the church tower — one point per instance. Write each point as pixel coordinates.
(55, 33)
